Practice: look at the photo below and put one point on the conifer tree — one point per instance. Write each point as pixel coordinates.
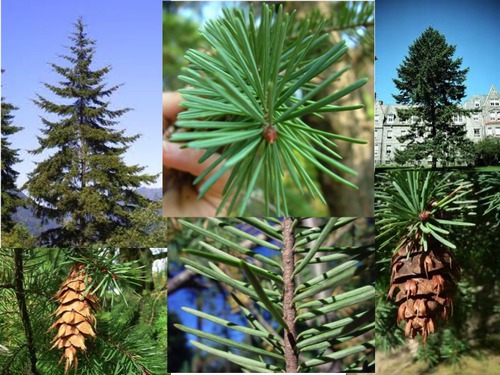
(431, 82)
(10, 156)
(84, 185)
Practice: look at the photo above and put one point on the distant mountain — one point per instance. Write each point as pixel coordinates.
(153, 194)
(26, 216)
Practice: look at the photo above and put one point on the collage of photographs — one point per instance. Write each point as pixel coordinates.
(328, 199)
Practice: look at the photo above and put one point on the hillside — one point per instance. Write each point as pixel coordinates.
(26, 217)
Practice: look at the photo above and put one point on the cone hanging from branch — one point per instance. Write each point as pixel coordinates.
(75, 316)
(423, 283)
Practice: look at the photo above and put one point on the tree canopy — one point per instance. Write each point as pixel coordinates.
(431, 82)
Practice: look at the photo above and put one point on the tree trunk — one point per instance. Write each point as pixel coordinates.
(21, 301)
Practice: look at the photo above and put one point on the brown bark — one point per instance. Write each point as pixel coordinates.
(289, 311)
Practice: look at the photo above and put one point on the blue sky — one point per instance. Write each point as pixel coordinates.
(128, 37)
(187, 298)
(470, 25)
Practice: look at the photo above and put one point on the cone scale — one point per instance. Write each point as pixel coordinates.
(423, 282)
(75, 316)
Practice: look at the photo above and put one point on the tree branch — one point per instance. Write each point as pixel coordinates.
(21, 301)
(131, 357)
(289, 312)
(183, 279)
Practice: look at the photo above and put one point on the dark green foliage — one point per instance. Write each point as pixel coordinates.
(487, 151)
(131, 327)
(431, 82)
(84, 185)
(147, 228)
(18, 237)
(243, 104)
(10, 156)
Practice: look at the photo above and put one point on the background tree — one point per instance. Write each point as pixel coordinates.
(10, 156)
(431, 82)
(104, 320)
(84, 185)
(468, 336)
(487, 151)
(243, 263)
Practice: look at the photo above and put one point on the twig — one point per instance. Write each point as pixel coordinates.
(21, 301)
(289, 312)
(133, 358)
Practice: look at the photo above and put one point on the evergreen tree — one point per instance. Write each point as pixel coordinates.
(431, 82)
(85, 184)
(10, 197)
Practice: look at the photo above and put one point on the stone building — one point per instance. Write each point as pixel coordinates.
(389, 127)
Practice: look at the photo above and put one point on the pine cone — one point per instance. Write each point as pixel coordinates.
(75, 320)
(426, 282)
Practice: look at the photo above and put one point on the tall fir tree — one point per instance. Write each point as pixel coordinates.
(84, 185)
(10, 156)
(431, 82)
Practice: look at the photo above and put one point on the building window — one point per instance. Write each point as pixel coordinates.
(388, 149)
(390, 119)
(493, 116)
(475, 117)
(494, 102)
(389, 134)
(476, 104)
(476, 133)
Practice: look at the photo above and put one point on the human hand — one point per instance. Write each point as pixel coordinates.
(181, 200)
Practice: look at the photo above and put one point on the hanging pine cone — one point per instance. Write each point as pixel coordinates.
(75, 319)
(426, 281)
